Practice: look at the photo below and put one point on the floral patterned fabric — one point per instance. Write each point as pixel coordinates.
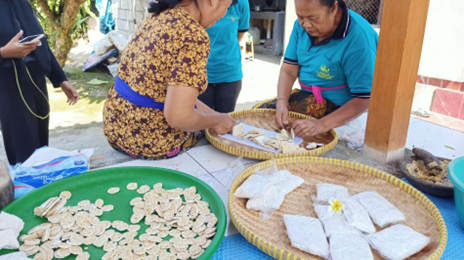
(169, 49)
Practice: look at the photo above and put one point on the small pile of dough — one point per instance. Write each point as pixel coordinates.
(282, 142)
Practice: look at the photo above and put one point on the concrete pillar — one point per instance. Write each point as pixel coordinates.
(290, 18)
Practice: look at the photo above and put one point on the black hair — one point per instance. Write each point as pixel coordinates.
(159, 6)
(328, 3)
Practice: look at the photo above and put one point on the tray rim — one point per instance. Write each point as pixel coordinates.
(220, 229)
(268, 155)
(273, 251)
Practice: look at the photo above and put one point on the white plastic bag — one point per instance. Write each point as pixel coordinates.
(102, 46)
(15, 256)
(256, 186)
(8, 239)
(349, 247)
(327, 191)
(356, 214)
(398, 242)
(334, 224)
(118, 40)
(307, 234)
(382, 212)
(11, 222)
(282, 183)
(270, 202)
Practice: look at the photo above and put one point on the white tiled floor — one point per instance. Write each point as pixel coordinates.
(212, 159)
(183, 163)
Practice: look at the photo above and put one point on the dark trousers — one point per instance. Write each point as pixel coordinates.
(222, 97)
(23, 132)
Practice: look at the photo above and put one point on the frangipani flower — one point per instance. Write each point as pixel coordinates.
(336, 206)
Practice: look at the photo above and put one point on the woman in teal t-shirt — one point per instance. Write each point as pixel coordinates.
(225, 61)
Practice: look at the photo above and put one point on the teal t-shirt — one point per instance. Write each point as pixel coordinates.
(346, 58)
(225, 59)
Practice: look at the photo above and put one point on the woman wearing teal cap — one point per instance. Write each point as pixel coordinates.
(225, 61)
(332, 52)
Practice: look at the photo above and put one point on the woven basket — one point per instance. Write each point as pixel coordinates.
(270, 235)
(265, 118)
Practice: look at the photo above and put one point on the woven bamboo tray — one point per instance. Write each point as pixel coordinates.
(265, 118)
(270, 236)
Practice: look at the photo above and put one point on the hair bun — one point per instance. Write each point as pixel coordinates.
(159, 6)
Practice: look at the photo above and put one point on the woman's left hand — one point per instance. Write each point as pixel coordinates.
(70, 92)
(309, 127)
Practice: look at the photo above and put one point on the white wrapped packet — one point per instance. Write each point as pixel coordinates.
(8, 221)
(8, 239)
(254, 187)
(327, 191)
(307, 234)
(356, 214)
(349, 247)
(15, 256)
(398, 242)
(283, 183)
(286, 182)
(382, 212)
(334, 224)
(270, 202)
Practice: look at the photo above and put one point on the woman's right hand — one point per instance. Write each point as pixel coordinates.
(15, 49)
(225, 124)
(282, 113)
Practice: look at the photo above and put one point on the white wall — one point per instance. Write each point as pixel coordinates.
(443, 49)
(125, 11)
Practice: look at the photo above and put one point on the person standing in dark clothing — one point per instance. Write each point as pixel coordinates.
(24, 106)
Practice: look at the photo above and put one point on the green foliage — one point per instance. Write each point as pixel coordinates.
(80, 26)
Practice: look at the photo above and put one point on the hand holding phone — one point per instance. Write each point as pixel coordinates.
(15, 49)
(32, 39)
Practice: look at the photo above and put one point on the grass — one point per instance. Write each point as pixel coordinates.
(92, 97)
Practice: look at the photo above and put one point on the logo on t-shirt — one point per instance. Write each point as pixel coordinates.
(233, 18)
(324, 73)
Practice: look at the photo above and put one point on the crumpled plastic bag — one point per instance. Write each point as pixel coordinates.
(118, 40)
(398, 242)
(350, 247)
(356, 214)
(334, 224)
(327, 191)
(8, 239)
(382, 212)
(353, 134)
(11, 222)
(15, 256)
(307, 234)
(102, 46)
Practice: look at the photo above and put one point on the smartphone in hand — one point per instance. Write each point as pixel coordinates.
(32, 38)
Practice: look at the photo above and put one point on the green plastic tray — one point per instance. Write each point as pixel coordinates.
(94, 185)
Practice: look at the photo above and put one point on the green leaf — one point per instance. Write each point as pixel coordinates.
(97, 82)
(450, 147)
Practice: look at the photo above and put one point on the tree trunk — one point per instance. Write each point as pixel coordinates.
(63, 45)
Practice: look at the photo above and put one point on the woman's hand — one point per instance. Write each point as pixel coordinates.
(309, 127)
(14, 49)
(70, 92)
(225, 124)
(282, 113)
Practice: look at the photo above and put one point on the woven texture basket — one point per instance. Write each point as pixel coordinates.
(270, 235)
(265, 118)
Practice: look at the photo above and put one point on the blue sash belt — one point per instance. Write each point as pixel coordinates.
(135, 98)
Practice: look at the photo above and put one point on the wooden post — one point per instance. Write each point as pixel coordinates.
(397, 64)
